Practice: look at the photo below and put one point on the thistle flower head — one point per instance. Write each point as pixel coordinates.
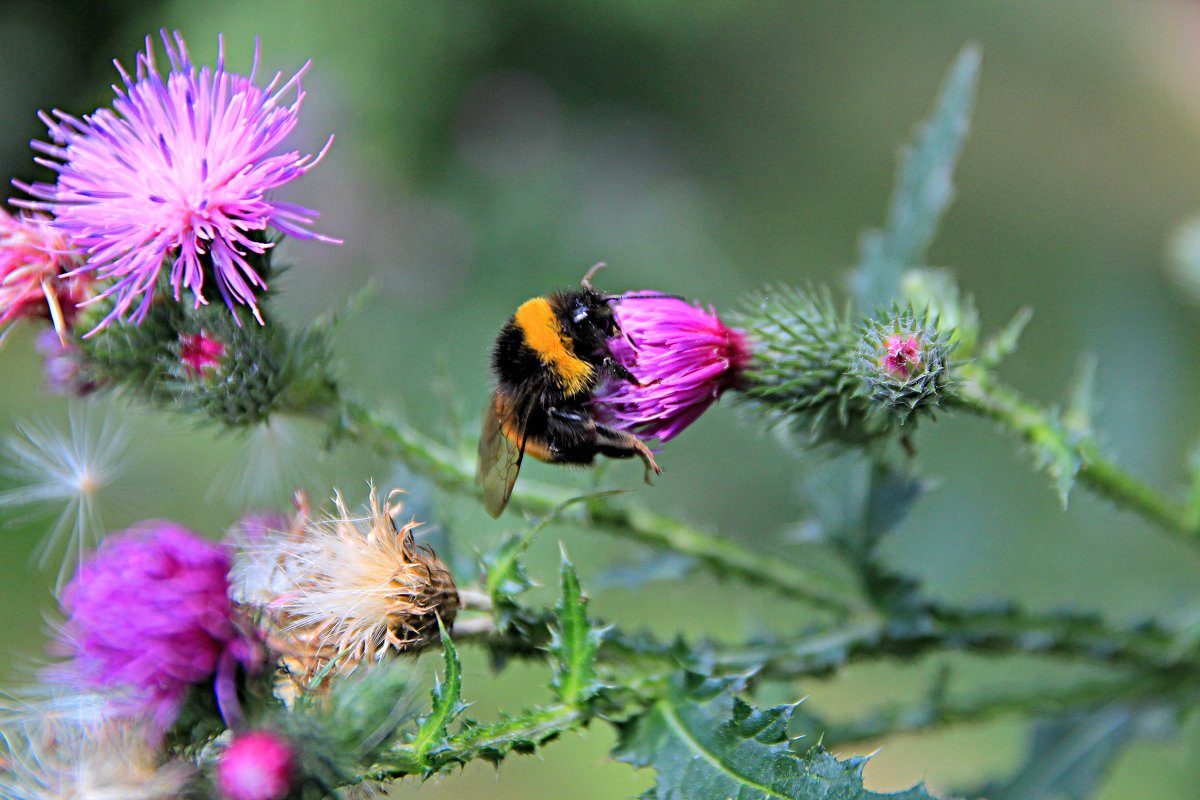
(176, 174)
(904, 366)
(345, 589)
(258, 765)
(34, 264)
(682, 357)
(148, 616)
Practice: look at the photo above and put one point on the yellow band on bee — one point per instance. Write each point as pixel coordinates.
(538, 323)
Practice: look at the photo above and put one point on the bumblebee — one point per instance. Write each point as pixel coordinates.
(549, 359)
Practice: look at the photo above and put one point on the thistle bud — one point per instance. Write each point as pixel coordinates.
(256, 766)
(200, 354)
(799, 374)
(903, 364)
(936, 291)
(344, 590)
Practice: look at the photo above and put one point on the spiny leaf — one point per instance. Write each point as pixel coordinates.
(1081, 401)
(574, 642)
(1056, 449)
(1004, 343)
(706, 744)
(857, 501)
(1068, 757)
(432, 730)
(923, 191)
(506, 577)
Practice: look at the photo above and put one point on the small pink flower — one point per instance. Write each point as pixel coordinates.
(683, 358)
(256, 766)
(34, 260)
(200, 353)
(176, 175)
(903, 355)
(148, 616)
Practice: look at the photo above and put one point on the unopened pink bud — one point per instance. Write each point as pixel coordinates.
(903, 355)
(256, 766)
(200, 353)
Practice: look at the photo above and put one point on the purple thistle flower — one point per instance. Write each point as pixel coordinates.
(177, 172)
(683, 358)
(149, 615)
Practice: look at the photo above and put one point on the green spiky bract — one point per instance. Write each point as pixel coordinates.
(900, 397)
(264, 368)
(800, 374)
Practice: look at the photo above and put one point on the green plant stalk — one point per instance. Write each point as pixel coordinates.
(452, 472)
(525, 733)
(993, 633)
(979, 393)
(1027, 702)
(492, 742)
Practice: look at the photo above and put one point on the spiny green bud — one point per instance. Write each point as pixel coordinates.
(903, 366)
(205, 360)
(801, 368)
(937, 291)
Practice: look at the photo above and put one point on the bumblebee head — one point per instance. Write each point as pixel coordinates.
(590, 321)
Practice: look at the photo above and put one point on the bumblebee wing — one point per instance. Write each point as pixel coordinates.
(499, 456)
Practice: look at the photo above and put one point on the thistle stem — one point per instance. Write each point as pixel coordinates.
(1034, 701)
(451, 471)
(979, 393)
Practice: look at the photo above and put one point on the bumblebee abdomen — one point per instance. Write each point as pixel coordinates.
(535, 330)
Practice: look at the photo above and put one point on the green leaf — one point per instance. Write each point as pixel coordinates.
(1056, 450)
(706, 744)
(574, 642)
(506, 577)
(1069, 756)
(1081, 400)
(924, 189)
(432, 733)
(1004, 343)
(858, 501)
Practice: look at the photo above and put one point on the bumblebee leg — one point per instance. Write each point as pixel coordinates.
(619, 444)
(619, 371)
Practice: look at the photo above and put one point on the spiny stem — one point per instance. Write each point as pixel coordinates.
(1027, 701)
(492, 742)
(979, 393)
(996, 633)
(452, 472)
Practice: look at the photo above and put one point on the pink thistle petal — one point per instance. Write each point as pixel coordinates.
(683, 358)
(903, 355)
(35, 262)
(199, 353)
(178, 173)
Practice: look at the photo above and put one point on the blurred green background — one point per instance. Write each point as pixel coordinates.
(490, 151)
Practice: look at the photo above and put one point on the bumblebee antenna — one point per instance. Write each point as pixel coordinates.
(616, 298)
(587, 279)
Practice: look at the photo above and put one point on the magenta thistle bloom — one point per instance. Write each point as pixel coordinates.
(176, 173)
(903, 355)
(34, 262)
(256, 766)
(683, 358)
(199, 353)
(148, 616)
